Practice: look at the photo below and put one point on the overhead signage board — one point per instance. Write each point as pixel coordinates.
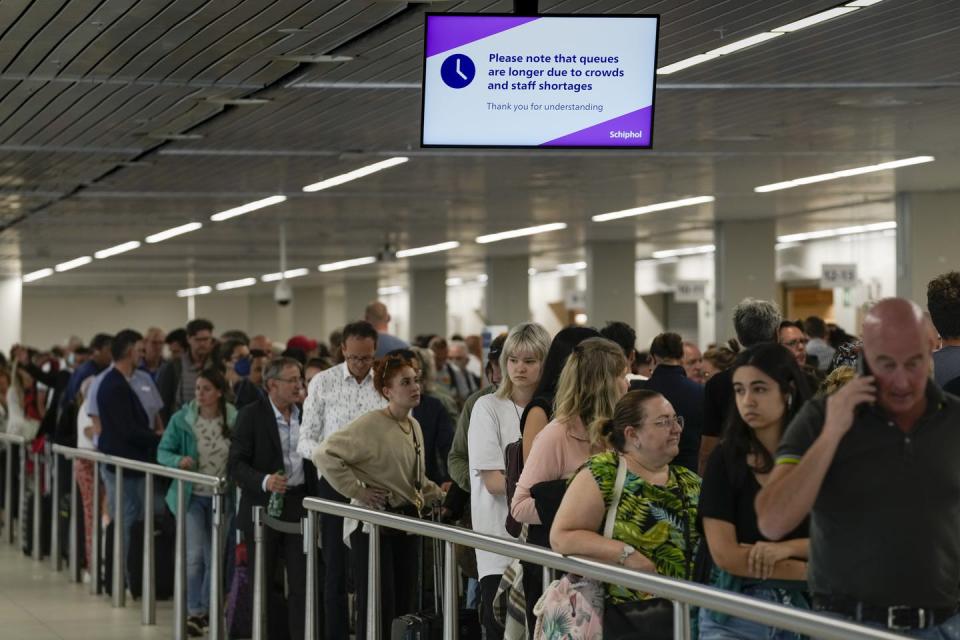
(690, 291)
(572, 81)
(838, 276)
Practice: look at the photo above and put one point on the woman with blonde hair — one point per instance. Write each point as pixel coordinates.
(593, 379)
(495, 423)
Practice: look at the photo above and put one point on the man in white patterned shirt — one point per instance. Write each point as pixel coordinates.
(335, 398)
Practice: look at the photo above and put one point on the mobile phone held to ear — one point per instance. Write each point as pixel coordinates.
(863, 369)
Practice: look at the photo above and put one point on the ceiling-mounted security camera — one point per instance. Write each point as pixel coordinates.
(283, 293)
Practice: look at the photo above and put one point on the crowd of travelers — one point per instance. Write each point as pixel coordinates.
(795, 464)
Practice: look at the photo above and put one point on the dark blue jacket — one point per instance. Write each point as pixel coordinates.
(125, 428)
(437, 428)
(686, 396)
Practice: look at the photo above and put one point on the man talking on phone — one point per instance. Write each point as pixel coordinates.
(875, 467)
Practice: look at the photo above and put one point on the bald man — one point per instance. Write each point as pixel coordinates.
(874, 467)
(376, 313)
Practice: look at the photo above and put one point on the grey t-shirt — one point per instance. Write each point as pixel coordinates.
(946, 365)
(387, 343)
(885, 527)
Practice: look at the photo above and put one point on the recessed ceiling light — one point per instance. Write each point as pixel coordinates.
(650, 208)
(433, 248)
(346, 264)
(833, 233)
(286, 275)
(194, 291)
(37, 275)
(843, 173)
(72, 264)
(520, 233)
(175, 231)
(689, 251)
(120, 248)
(355, 174)
(235, 284)
(247, 208)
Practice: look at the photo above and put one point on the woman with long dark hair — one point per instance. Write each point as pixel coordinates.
(768, 389)
(198, 439)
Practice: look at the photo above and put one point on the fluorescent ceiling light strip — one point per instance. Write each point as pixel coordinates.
(863, 3)
(433, 248)
(743, 44)
(816, 18)
(288, 274)
(346, 264)
(843, 173)
(175, 231)
(247, 208)
(194, 291)
(355, 174)
(72, 264)
(120, 248)
(391, 290)
(36, 275)
(235, 284)
(520, 233)
(686, 64)
(832, 233)
(482, 278)
(650, 208)
(454, 282)
(572, 266)
(689, 251)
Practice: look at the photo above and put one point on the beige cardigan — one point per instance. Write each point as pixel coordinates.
(373, 451)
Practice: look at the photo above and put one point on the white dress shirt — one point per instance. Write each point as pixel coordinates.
(334, 400)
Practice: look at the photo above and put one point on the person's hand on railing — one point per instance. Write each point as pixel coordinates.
(187, 463)
(373, 498)
(277, 483)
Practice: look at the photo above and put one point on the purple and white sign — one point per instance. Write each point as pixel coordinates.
(549, 81)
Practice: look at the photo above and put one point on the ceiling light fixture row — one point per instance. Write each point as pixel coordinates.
(739, 45)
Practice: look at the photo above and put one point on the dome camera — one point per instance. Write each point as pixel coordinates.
(283, 293)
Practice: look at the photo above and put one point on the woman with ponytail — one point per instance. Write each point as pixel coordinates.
(198, 439)
(592, 380)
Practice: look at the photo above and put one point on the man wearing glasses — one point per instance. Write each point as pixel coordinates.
(177, 378)
(335, 398)
(264, 460)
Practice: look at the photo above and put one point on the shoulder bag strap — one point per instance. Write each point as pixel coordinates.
(615, 498)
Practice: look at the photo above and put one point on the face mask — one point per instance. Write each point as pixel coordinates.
(71, 359)
(242, 367)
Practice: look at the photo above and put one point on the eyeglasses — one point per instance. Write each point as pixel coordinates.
(294, 381)
(668, 423)
(360, 359)
(792, 344)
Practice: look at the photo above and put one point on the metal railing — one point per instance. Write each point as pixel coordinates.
(148, 594)
(684, 594)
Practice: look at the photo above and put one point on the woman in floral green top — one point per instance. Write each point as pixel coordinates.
(655, 524)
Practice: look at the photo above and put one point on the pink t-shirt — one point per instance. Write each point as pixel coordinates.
(557, 453)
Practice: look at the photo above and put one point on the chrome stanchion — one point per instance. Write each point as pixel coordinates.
(148, 612)
(681, 621)
(94, 568)
(373, 583)
(22, 497)
(119, 573)
(451, 626)
(72, 537)
(180, 567)
(8, 493)
(217, 621)
(55, 559)
(37, 506)
(547, 578)
(310, 548)
(259, 580)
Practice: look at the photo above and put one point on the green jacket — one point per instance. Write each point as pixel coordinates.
(179, 441)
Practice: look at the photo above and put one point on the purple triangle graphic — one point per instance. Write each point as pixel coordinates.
(599, 135)
(451, 31)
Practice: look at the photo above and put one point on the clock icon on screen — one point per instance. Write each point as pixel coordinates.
(458, 71)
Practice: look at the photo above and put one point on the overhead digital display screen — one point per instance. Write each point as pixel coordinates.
(494, 80)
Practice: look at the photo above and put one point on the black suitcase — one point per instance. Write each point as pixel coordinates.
(26, 527)
(425, 625)
(164, 550)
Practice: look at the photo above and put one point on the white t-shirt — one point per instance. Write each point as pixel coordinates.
(494, 424)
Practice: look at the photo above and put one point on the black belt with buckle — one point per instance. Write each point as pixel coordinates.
(894, 617)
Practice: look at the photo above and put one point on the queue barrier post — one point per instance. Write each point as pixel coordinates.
(180, 567)
(96, 587)
(148, 610)
(8, 492)
(119, 582)
(55, 558)
(310, 549)
(73, 537)
(37, 506)
(450, 592)
(681, 620)
(217, 541)
(22, 496)
(373, 583)
(259, 580)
